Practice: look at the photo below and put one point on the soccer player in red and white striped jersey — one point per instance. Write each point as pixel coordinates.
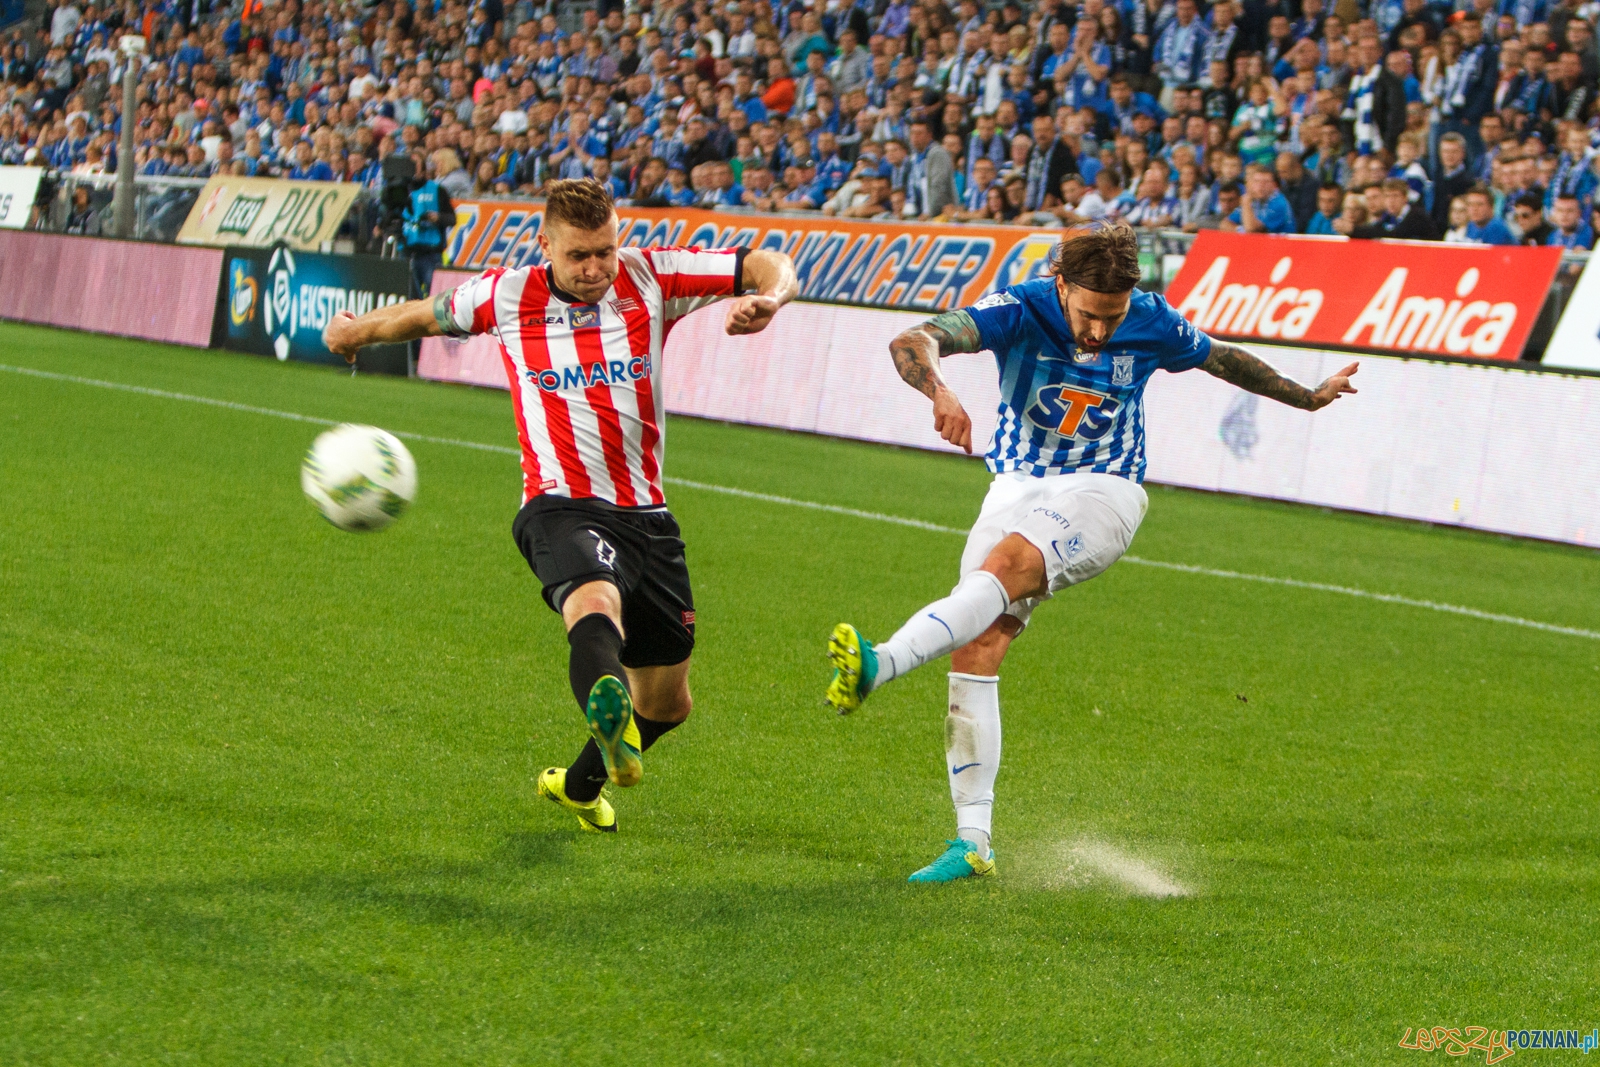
(581, 338)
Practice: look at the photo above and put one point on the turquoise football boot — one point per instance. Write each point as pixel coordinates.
(960, 860)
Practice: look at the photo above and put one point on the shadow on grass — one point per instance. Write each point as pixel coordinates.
(530, 850)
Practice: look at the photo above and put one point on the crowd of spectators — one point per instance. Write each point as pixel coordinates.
(1467, 120)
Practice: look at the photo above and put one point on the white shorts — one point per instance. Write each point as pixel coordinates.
(1082, 523)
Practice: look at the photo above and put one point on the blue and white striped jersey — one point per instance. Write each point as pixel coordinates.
(1062, 409)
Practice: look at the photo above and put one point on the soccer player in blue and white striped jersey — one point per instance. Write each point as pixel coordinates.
(1074, 351)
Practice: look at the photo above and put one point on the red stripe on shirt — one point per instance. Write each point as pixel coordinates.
(483, 316)
(531, 480)
(638, 321)
(530, 459)
(536, 354)
(590, 351)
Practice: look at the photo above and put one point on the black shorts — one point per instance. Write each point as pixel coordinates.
(570, 542)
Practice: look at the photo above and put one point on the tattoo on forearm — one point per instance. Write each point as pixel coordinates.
(1233, 364)
(916, 352)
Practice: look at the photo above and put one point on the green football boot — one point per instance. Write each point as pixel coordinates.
(610, 715)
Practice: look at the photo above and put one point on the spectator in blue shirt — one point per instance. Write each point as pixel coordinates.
(600, 170)
(1019, 92)
(1574, 174)
(832, 170)
(746, 99)
(1330, 199)
(1059, 42)
(1526, 12)
(677, 192)
(306, 168)
(190, 54)
(1264, 209)
(723, 191)
(1180, 54)
(1570, 231)
(1483, 225)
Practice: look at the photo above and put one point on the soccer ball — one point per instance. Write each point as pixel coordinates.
(359, 477)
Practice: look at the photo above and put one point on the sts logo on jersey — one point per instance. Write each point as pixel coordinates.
(1073, 412)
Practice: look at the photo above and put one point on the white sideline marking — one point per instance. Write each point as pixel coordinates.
(250, 409)
(873, 516)
(1387, 598)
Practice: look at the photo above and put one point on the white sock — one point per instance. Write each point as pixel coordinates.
(972, 753)
(943, 626)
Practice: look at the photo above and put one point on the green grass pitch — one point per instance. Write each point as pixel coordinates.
(266, 788)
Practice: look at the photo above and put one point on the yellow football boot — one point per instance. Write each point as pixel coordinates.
(855, 668)
(597, 816)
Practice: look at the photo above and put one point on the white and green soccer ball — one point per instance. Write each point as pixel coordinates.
(359, 477)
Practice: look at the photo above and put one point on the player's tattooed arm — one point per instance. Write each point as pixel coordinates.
(955, 331)
(1254, 374)
(916, 354)
(917, 351)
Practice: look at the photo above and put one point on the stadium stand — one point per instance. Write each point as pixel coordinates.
(1046, 114)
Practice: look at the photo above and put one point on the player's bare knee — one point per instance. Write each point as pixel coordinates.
(983, 655)
(682, 705)
(661, 693)
(593, 598)
(1019, 566)
(672, 706)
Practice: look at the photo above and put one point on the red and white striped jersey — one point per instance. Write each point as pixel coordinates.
(586, 378)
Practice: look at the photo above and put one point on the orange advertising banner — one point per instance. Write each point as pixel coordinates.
(879, 264)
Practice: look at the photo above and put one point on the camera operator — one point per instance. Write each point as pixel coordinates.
(427, 222)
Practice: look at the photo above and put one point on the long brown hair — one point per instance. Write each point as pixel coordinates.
(1104, 259)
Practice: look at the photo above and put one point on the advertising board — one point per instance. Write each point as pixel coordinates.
(882, 264)
(127, 288)
(1426, 298)
(268, 211)
(19, 187)
(1487, 446)
(1576, 344)
(276, 301)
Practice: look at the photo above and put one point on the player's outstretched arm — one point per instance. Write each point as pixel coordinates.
(1250, 372)
(346, 334)
(916, 354)
(772, 276)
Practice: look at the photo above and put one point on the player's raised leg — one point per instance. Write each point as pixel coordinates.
(1014, 571)
(661, 703)
(593, 614)
(599, 682)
